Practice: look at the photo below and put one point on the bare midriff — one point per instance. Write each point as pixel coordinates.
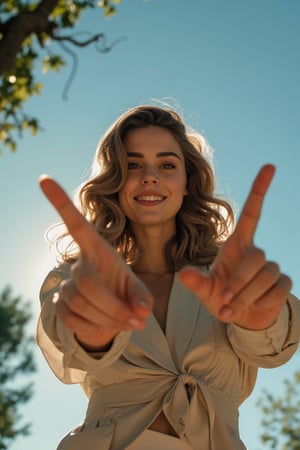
(162, 425)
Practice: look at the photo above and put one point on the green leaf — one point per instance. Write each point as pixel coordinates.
(52, 62)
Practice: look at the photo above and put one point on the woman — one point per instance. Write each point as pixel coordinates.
(161, 314)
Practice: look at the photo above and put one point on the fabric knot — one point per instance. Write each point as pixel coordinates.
(188, 408)
(187, 379)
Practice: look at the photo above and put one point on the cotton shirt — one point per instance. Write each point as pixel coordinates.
(198, 372)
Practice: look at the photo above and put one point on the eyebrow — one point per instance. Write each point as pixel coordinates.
(160, 155)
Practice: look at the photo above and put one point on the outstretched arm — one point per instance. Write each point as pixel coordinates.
(242, 286)
(103, 296)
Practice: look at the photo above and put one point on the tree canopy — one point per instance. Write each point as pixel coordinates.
(16, 356)
(25, 29)
(281, 422)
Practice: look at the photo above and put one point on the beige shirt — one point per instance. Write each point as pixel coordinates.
(198, 372)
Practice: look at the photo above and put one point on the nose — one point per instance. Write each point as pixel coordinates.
(149, 177)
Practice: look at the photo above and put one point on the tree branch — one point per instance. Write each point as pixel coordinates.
(45, 7)
(95, 38)
(16, 29)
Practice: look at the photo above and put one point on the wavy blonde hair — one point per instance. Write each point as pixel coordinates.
(203, 222)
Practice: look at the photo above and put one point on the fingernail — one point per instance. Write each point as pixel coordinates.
(142, 303)
(227, 295)
(226, 313)
(135, 323)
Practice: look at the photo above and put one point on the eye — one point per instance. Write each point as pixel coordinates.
(168, 165)
(133, 165)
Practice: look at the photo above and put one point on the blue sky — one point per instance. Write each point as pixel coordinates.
(233, 67)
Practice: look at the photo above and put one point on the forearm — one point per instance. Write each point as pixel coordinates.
(69, 358)
(273, 346)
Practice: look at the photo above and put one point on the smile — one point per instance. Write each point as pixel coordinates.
(149, 198)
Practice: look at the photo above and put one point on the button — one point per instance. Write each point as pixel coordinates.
(181, 426)
(181, 421)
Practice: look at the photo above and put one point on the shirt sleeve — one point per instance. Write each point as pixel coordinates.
(273, 346)
(67, 359)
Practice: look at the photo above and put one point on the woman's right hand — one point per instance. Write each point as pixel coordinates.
(103, 296)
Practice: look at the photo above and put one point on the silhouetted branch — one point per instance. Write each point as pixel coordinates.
(73, 71)
(93, 39)
(71, 39)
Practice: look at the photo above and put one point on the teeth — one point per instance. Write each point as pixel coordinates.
(150, 198)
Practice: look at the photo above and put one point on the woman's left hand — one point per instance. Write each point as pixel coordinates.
(242, 286)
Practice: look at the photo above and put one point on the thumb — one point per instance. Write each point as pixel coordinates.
(196, 281)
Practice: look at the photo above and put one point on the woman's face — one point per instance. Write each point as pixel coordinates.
(156, 182)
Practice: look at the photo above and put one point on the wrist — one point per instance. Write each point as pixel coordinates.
(91, 344)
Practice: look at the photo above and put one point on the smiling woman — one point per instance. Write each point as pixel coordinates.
(166, 356)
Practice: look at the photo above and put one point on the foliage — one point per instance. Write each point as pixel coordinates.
(16, 358)
(27, 32)
(281, 421)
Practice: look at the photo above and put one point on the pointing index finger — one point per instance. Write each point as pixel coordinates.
(249, 218)
(80, 229)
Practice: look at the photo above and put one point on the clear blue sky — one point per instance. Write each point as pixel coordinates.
(234, 68)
